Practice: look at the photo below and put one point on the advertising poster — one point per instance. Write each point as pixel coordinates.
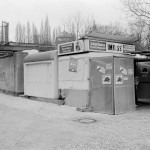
(123, 70)
(97, 45)
(78, 46)
(66, 48)
(100, 69)
(119, 79)
(106, 79)
(73, 65)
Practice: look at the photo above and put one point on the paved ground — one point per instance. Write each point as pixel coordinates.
(33, 125)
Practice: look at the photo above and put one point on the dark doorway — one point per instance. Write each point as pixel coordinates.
(142, 82)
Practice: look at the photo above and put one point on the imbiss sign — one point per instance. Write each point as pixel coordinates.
(110, 46)
(93, 45)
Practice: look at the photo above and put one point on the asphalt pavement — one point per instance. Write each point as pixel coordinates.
(33, 125)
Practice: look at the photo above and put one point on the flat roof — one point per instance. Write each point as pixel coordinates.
(41, 56)
(110, 38)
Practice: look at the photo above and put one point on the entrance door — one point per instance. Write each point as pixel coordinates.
(124, 95)
(101, 92)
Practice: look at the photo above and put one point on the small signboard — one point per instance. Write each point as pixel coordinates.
(114, 47)
(70, 47)
(97, 45)
(93, 45)
(66, 48)
(128, 48)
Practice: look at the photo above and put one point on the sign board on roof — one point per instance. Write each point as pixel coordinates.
(128, 48)
(70, 47)
(109, 47)
(93, 45)
(114, 47)
(97, 45)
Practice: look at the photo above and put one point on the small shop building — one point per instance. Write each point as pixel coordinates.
(97, 71)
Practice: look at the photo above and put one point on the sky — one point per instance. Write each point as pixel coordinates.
(15, 11)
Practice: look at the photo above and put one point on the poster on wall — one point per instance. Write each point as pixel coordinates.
(106, 79)
(73, 63)
(100, 69)
(119, 79)
(123, 70)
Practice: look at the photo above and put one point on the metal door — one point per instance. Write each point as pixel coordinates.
(101, 92)
(124, 96)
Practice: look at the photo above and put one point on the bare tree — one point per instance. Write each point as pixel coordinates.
(41, 33)
(78, 25)
(18, 30)
(78, 22)
(20, 33)
(54, 36)
(35, 35)
(139, 9)
(47, 32)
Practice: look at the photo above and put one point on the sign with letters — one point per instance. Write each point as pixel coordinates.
(70, 47)
(97, 45)
(114, 47)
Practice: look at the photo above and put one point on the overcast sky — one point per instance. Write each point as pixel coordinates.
(14, 11)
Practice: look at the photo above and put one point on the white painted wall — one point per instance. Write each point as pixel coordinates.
(40, 79)
(73, 80)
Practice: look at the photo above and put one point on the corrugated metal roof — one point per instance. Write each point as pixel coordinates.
(110, 38)
(43, 56)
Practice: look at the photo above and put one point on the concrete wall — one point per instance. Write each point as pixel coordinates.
(11, 73)
(7, 73)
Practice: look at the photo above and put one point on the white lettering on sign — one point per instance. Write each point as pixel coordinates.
(97, 45)
(128, 48)
(114, 47)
